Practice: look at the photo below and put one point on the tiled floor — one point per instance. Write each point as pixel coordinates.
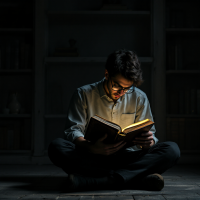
(43, 182)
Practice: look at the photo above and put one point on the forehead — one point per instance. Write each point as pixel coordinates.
(122, 81)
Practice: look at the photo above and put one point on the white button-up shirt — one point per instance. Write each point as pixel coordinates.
(91, 99)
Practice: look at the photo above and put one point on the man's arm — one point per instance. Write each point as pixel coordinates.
(75, 127)
(148, 139)
(99, 147)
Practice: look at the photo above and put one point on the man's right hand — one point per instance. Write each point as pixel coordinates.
(105, 149)
(99, 147)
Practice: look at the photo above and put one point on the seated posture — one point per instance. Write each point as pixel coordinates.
(98, 165)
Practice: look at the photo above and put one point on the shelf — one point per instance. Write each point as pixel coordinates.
(24, 30)
(183, 116)
(190, 151)
(182, 30)
(99, 12)
(93, 15)
(87, 59)
(182, 71)
(55, 116)
(15, 71)
(15, 116)
(21, 152)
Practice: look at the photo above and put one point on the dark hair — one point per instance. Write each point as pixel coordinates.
(126, 63)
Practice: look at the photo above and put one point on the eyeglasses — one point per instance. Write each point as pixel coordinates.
(116, 87)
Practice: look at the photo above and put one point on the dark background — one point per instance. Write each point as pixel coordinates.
(40, 69)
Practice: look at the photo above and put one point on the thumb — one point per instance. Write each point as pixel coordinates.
(102, 138)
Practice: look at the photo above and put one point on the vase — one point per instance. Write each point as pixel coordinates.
(14, 104)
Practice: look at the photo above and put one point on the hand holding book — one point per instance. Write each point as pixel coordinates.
(99, 126)
(145, 141)
(99, 147)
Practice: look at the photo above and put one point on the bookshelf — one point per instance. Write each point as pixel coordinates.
(16, 77)
(102, 32)
(51, 79)
(182, 74)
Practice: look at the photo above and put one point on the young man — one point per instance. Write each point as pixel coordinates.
(110, 166)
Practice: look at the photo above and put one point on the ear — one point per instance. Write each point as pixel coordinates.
(106, 74)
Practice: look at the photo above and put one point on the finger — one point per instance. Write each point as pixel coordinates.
(143, 143)
(117, 144)
(147, 133)
(102, 138)
(144, 138)
(118, 147)
(111, 146)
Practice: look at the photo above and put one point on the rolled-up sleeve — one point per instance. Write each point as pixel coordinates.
(76, 116)
(144, 112)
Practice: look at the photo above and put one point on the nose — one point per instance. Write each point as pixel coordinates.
(121, 92)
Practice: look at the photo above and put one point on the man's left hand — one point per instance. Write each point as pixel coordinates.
(145, 140)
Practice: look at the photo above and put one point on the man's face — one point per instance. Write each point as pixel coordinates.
(117, 81)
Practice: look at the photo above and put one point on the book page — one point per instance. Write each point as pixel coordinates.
(105, 121)
(136, 125)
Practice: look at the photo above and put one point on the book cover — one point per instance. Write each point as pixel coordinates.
(98, 127)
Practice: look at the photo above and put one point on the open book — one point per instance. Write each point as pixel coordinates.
(99, 126)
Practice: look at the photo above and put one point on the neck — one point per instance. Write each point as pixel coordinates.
(105, 87)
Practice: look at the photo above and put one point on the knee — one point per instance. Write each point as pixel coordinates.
(173, 151)
(55, 144)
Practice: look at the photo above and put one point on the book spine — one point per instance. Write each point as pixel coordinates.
(175, 130)
(17, 135)
(2, 130)
(27, 56)
(22, 55)
(10, 139)
(189, 134)
(193, 101)
(182, 133)
(181, 102)
(198, 101)
(174, 102)
(1, 63)
(168, 129)
(187, 100)
(171, 56)
(179, 56)
(8, 56)
(16, 55)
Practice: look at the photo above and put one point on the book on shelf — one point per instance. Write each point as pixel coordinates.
(0, 57)
(99, 126)
(10, 135)
(175, 55)
(8, 56)
(198, 101)
(16, 55)
(25, 55)
(176, 131)
(192, 134)
(26, 135)
(113, 6)
(187, 100)
(177, 18)
(173, 101)
(193, 101)
(183, 101)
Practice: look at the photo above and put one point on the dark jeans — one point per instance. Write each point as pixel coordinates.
(128, 164)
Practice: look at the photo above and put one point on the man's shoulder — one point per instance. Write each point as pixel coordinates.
(89, 88)
(140, 93)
